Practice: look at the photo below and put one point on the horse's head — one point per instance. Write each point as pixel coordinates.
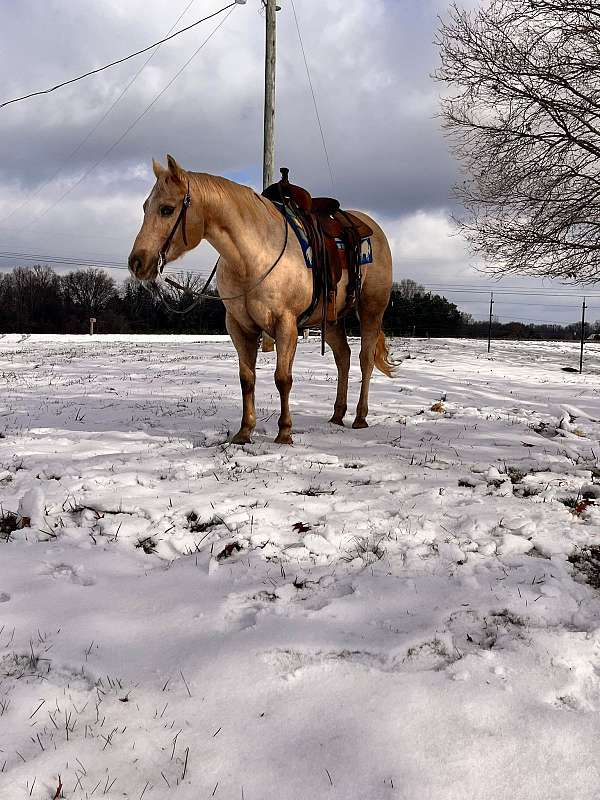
(164, 235)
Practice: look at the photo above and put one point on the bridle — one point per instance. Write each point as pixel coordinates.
(162, 253)
(153, 288)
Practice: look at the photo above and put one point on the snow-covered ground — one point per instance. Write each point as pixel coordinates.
(403, 611)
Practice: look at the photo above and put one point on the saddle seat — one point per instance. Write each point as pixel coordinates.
(326, 226)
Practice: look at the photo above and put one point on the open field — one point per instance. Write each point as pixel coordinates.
(407, 611)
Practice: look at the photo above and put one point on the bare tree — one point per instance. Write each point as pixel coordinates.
(523, 113)
(407, 288)
(90, 290)
(35, 293)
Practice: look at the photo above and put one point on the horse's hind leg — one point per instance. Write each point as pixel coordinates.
(335, 336)
(370, 327)
(246, 344)
(286, 339)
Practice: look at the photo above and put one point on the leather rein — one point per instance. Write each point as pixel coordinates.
(153, 288)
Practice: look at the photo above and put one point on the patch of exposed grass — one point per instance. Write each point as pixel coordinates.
(516, 475)
(529, 490)
(313, 491)
(586, 561)
(229, 550)
(196, 526)
(569, 502)
(9, 522)
(147, 544)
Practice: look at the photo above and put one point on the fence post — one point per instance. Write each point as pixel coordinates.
(582, 336)
(490, 322)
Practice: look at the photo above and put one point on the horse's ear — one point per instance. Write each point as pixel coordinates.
(158, 168)
(176, 171)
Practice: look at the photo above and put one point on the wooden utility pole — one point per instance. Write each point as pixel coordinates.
(268, 344)
(490, 321)
(269, 111)
(582, 339)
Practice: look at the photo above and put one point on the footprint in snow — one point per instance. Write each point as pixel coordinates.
(423, 657)
(4, 597)
(243, 610)
(290, 662)
(472, 632)
(431, 655)
(242, 615)
(67, 572)
(317, 595)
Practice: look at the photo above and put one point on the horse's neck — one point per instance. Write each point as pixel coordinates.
(236, 221)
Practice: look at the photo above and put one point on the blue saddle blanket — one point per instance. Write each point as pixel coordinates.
(366, 250)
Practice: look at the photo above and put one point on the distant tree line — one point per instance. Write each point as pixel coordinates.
(38, 300)
(413, 311)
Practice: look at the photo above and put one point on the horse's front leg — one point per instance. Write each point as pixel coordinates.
(246, 344)
(286, 339)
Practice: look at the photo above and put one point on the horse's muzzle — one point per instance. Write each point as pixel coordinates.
(135, 264)
(142, 268)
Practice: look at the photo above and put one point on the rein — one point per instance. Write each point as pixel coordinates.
(153, 288)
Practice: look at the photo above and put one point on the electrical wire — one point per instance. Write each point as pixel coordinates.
(518, 303)
(115, 263)
(131, 126)
(110, 264)
(118, 61)
(98, 263)
(499, 292)
(90, 133)
(310, 83)
(527, 319)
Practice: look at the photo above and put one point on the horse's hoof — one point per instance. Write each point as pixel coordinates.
(337, 421)
(360, 423)
(241, 438)
(284, 438)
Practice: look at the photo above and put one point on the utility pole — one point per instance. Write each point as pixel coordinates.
(269, 111)
(583, 307)
(490, 322)
(271, 9)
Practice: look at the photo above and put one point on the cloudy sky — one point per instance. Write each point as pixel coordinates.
(74, 170)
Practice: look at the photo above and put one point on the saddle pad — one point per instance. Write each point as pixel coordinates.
(366, 251)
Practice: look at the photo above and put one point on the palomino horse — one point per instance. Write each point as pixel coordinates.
(251, 235)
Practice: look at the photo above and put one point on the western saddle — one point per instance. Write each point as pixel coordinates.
(335, 239)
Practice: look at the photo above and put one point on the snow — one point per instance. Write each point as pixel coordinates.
(380, 613)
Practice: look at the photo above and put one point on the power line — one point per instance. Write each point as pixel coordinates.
(133, 124)
(109, 264)
(525, 292)
(310, 83)
(489, 287)
(99, 263)
(518, 303)
(114, 263)
(118, 61)
(90, 133)
(529, 319)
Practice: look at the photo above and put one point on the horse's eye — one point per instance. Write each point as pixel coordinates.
(166, 211)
